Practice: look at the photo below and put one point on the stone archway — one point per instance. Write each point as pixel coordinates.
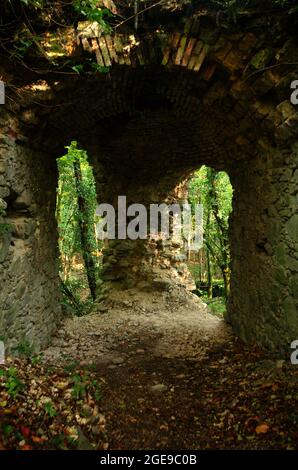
(172, 101)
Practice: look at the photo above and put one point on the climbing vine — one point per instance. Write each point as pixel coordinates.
(75, 213)
(92, 12)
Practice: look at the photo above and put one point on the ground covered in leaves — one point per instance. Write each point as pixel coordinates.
(45, 407)
(153, 373)
(233, 399)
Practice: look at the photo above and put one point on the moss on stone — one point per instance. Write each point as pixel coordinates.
(262, 58)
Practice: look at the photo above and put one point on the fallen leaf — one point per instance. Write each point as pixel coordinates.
(25, 431)
(37, 439)
(262, 428)
(26, 447)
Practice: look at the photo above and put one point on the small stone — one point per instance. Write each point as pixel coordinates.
(118, 360)
(84, 362)
(102, 308)
(158, 388)
(280, 363)
(96, 430)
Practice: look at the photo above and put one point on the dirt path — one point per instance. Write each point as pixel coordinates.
(148, 324)
(175, 378)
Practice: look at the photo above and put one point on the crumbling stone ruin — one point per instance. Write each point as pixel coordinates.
(181, 91)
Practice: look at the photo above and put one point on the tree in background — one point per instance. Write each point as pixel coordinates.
(214, 191)
(75, 212)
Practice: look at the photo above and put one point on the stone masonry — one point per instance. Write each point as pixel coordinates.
(175, 97)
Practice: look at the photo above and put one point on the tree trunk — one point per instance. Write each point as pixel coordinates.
(223, 233)
(226, 278)
(208, 262)
(86, 248)
(209, 275)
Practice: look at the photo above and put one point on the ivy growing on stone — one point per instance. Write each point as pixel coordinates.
(76, 204)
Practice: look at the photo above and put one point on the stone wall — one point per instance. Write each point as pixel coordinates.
(154, 263)
(264, 302)
(178, 94)
(29, 292)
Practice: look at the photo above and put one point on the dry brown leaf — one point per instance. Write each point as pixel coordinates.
(37, 439)
(262, 428)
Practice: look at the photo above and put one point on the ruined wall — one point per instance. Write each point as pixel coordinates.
(264, 302)
(182, 91)
(154, 263)
(29, 291)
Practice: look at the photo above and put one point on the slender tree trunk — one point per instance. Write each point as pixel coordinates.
(209, 275)
(226, 278)
(136, 8)
(86, 248)
(201, 265)
(223, 233)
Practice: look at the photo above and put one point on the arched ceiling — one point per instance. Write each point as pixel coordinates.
(188, 90)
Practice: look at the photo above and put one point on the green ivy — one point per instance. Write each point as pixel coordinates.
(69, 216)
(90, 9)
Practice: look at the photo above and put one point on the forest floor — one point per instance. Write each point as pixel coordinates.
(149, 371)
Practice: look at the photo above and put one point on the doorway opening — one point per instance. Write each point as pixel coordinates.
(210, 266)
(79, 249)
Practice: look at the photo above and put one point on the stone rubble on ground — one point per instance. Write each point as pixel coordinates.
(137, 324)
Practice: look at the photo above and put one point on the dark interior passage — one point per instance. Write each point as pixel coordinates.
(147, 127)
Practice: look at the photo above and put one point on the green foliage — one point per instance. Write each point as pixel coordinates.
(79, 387)
(74, 301)
(82, 386)
(70, 217)
(50, 409)
(199, 190)
(22, 46)
(217, 306)
(78, 68)
(99, 68)
(214, 191)
(24, 349)
(4, 227)
(219, 199)
(86, 8)
(68, 214)
(87, 66)
(71, 367)
(38, 4)
(7, 429)
(13, 384)
(26, 14)
(90, 9)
